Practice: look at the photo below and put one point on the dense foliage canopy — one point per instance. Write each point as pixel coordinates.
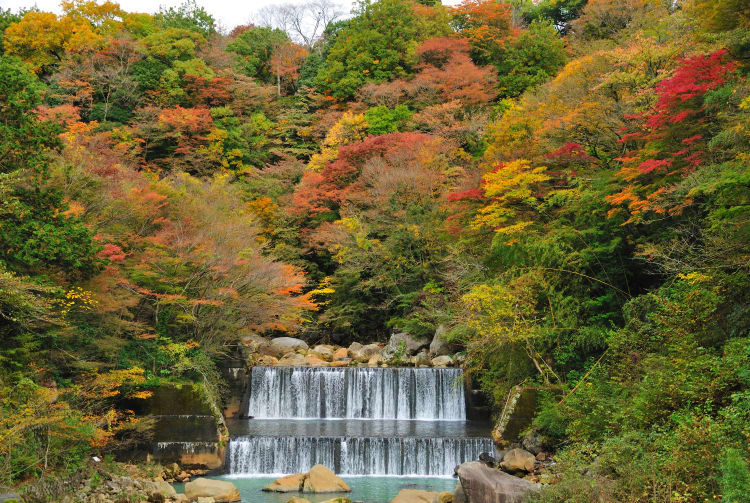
(563, 185)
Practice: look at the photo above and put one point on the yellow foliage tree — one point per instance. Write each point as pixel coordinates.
(349, 128)
(511, 188)
(506, 313)
(42, 39)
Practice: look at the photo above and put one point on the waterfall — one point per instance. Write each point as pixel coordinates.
(356, 393)
(356, 421)
(354, 455)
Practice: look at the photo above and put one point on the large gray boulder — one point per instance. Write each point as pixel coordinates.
(482, 484)
(281, 346)
(439, 345)
(403, 342)
(219, 490)
(458, 494)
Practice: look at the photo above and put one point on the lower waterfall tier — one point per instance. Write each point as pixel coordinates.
(353, 455)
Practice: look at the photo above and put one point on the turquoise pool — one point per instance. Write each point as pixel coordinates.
(364, 489)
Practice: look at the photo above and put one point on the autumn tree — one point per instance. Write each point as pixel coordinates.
(377, 45)
(487, 25)
(42, 39)
(285, 64)
(255, 48)
(670, 143)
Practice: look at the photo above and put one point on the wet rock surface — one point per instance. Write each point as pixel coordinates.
(482, 484)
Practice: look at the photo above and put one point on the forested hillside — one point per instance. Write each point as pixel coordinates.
(564, 185)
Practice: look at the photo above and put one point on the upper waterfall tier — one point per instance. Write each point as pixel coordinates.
(356, 393)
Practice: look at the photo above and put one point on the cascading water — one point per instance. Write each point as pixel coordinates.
(354, 455)
(356, 393)
(398, 422)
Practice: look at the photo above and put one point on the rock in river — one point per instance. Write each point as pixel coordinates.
(482, 484)
(320, 479)
(288, 484)
(219, 490)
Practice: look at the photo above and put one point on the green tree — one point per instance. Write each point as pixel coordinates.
(534, 57)
(24, 139)
(383, 120)
(36, 236)
(559, 12)
(379, 44)
(254, 48)
(188, 16)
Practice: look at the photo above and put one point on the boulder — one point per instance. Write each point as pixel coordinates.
(445, 497)
(205, 500)
(322, 352)
(172, 470)
(518, 460)
(533, 442)
(404, 344)
(458, 494)
(266, 360)
(488, 460)
(321, 479)
(354, 348)
(364, 353)
(180, 498)
(341, 354)
(297, 499)
(219, 490)
(339, 363)
(421, 358)
(375, 361)
(293, 360)
(420, 496)
(256, 343)
(482, 484)
(314, 361)
(439, 345)
(442, 361)
(284, 345)
(163, 488)
(287, 484)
